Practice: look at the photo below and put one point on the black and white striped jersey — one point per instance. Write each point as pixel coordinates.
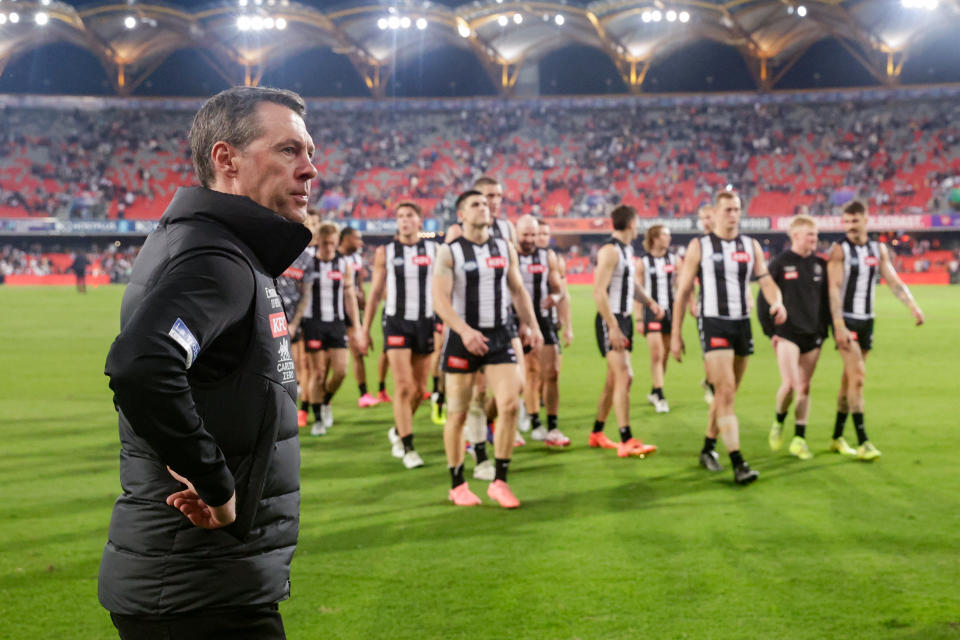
(500, 229)
(659, 277)
(327, 282)
(861, 272)
(480, 293)
(535, 271)
(410, 279)
(724, 272)
(288, 283)
(355, 260)
(623, 281)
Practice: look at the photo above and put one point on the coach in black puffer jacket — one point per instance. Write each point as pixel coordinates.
(205, 385)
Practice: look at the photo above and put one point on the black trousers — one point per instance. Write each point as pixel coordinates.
(241, 623)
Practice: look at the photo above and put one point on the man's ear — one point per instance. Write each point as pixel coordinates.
(224, 157)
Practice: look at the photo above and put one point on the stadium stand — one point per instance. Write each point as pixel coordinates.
(556, 159)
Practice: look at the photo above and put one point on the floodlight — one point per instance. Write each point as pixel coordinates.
(656, 16)
(502, 21)
(517, 18)
(382, 24)
(281, 23)
(130, 22)
(559, 20)
(671, 16)
(404, 22)
(464, 31)
(802, 11)
(684, 17)
(14, 17)
(393, 22)
(421, 23)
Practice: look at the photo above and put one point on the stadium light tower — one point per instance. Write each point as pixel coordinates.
(130, 22)
(41, 18)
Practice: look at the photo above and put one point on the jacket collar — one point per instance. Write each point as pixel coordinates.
(275, 240)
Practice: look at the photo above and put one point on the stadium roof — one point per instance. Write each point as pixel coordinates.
(243, 38)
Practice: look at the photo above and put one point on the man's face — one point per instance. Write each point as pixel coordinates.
(804, 239)
(494, 195)
(705, 215)
(727, 213)
(527, 236)
(327, 246)
(663, 240)
(543, 236)
(855, 223)
(353, 243)
(408, 222)
(474, 211)
(275, 170)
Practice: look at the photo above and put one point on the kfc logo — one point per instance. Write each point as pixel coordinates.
(718, 343)
(278, 324)
(313, 345)
(669, 268)
(536, 268)
(497, 262)
(335, 275)
(791, 275)
(396, 341)
(654, 326)
(421, 261)
(871, 261)
(740, 256)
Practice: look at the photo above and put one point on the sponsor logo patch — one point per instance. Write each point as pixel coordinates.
(182, 336)
(335, 275)
(278, 324)
(396, 341)
(654, 326)
(457, 363)
(669, 268)
(536, 268)
(853, 336)
(791, 275)
(421, 261)
(314, 344)
(717, 343)
(293, 273)
(871, 261)
(496, 262)
(740, 256)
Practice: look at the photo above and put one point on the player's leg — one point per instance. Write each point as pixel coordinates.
(855, 368)
(598, 439)
(360, 373)
(788, 362)
(531, 393)
(383, 366)
(852, 378)
(438, 397)
(657, 348)
(725, 370)
(318, 374)
(503, 380)
(301, 365)
(459, 388)
(337, 359)
(517, 345)
(620, 369)
(807, 365)
(549, 363)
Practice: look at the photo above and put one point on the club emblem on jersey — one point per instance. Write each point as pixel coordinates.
(421, 261)
(278, 324)
(718, 257)
(398, 261)
(817, 269)
(335, 275)
(470, 266)
(871, 261)
(740, 256)
(496, 262)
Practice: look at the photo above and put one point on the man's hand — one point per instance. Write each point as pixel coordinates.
(657, 310)
(198, 512)
(677, 348)
(694, 308)
(917, 314)
(524, 333)
(475, 342)
(779, 313)
(567, 336)
(535, 339)
(360, 340)
(292, 328)
(618, 341)
(842, 335)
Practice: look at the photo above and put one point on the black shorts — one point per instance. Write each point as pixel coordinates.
(720, 333)
(652, 325)
(321, 335)
(861, 331)
(416, 335)
(456, 358)
(806, 342)
(603, 339)
(549, 331)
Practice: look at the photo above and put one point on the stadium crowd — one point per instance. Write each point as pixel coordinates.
(556, 160)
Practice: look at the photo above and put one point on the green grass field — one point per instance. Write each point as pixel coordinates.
(602, 547)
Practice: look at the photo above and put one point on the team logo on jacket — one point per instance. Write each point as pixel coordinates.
(740, 256)
(335, 275)
(496, 262)
(293, 273)
(421, 261)
(790, 275)
(536, 268)
(278, 324)
(871, 261)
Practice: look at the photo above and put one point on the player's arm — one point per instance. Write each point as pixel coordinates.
(306, 296)
(352, 310)
(607, 259)
(897, 286)
(640, 294)
(561, 298)
(685, 279)
(454, 232)
(835, 291)
(763, 307)
(376, 289)
(521, 300)
(194, 302)
(473, 340)
(771, 292)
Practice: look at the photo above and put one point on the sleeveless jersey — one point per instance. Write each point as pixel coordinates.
(658, 277)
(621, 288)
(724, 272)
(288, 284)
(861, 272)
(480, 293)
(409, 279)
(535, 271)
(327, 288)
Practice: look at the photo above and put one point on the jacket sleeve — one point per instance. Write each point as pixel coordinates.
(192, 303)
(763, 307)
